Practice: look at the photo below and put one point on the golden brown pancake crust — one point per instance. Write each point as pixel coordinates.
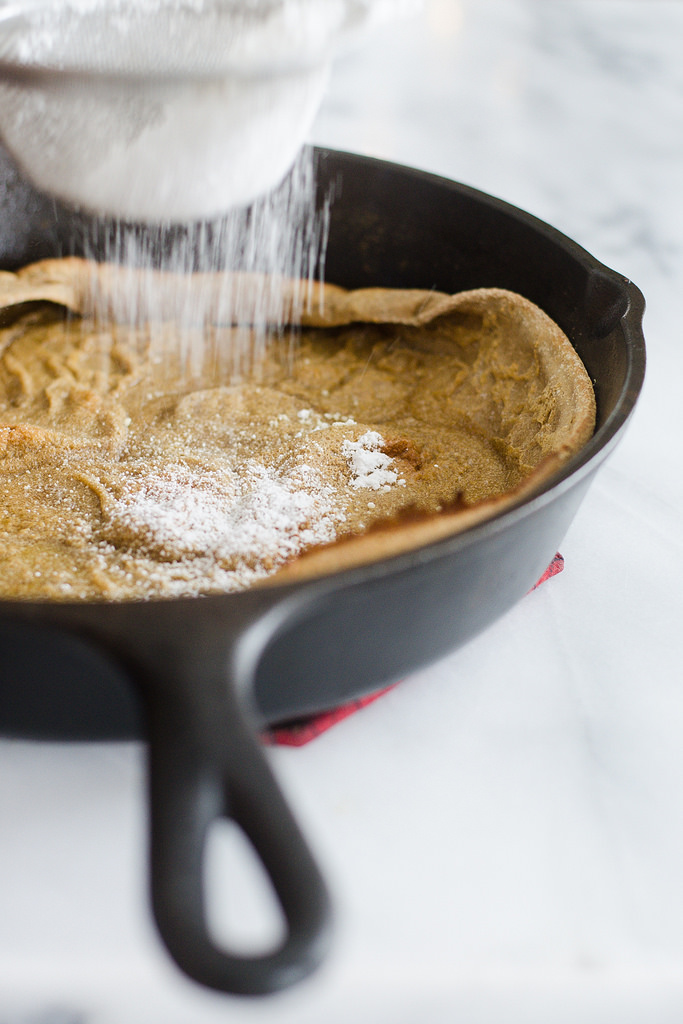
(405, 417)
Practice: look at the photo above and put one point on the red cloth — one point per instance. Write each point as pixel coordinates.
(557, 565)
(303, 730)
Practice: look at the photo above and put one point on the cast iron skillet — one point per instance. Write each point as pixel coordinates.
(200, 676)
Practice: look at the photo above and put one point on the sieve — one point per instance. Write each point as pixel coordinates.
(168, 110)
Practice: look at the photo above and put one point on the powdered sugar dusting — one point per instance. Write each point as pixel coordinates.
(228, 529)
(370, 466)
(195, 527)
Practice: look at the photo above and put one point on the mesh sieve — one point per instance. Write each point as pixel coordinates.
(168, 109)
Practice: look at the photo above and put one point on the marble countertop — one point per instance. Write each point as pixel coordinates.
(503, 831)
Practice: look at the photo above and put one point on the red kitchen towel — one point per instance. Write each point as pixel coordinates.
(303, 730)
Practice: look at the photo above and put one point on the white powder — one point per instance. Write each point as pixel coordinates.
(370, 466)
(193, 529)
(221, 527)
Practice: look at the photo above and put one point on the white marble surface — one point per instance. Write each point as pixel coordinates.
(504, 831)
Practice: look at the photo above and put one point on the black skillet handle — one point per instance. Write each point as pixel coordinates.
(206, 765)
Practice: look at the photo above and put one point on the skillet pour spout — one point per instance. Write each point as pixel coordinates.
(210, 671)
